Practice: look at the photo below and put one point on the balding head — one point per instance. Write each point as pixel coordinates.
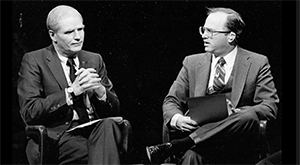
(57, 13)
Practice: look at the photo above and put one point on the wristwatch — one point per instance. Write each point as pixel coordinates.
(70, 90)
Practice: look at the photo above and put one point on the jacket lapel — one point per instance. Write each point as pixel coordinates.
(202, 75)
(83, 60)
(56, 68)
(241, 68)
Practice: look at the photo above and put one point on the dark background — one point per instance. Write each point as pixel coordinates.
(143, 44)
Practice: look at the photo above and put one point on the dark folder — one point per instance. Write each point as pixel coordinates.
(207, 109)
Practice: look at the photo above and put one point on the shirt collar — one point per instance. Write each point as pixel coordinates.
(64, 59)
(229, 58)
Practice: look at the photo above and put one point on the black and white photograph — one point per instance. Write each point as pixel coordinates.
(150, 82)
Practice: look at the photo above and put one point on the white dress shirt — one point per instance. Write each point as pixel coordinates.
(229, 58)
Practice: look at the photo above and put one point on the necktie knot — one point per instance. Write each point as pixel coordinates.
(70, 61)
(71, 64)
(221, 61)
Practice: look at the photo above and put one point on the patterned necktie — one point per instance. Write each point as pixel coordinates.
(219, 78)
(71, 64)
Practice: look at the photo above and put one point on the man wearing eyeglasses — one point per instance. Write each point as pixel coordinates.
(243, 76)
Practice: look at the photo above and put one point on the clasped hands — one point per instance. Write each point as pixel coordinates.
(87, 80)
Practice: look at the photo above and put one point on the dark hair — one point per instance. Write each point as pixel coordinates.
(234, 22)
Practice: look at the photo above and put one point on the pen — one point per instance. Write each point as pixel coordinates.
(186, 112)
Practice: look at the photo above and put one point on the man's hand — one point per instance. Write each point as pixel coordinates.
(87, 80)
(185, 123)
(101, 90)
(230, 108)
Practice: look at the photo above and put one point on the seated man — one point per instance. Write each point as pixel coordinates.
(243, 76)
(62, 86)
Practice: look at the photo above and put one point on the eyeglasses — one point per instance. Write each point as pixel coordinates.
(210, 32)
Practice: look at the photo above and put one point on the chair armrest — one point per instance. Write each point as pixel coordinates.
(35, 129)
(36, 132)
(263, 129)
(126, 132)
(39, 134)
(264, 148)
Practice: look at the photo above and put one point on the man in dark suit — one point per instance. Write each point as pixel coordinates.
(50, 95)
(243, 76)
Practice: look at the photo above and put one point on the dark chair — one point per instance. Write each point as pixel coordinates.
(263, 150)
(275, 158)
(39, 134)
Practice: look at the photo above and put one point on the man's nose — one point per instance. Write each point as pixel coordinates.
(204, 35)
(77, 35)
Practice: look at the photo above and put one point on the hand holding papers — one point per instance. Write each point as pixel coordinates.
(207, 109)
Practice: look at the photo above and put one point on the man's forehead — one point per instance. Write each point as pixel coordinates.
(216, 20)
(70, 22)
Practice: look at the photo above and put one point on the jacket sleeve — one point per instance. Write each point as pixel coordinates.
(110, 107)
(35, 105)
(263, 94)
(178, 93)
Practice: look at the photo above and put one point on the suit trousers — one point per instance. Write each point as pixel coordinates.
(232, 140)
(91, 145)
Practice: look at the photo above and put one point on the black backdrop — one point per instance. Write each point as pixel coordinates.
(143, 44)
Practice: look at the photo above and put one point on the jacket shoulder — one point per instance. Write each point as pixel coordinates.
(256, 59)
(253, 55)
(194, 59)
(89, 53)
(196, 56)
(39, 54)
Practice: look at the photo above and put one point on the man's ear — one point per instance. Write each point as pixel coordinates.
(52, 35)
(231, 37)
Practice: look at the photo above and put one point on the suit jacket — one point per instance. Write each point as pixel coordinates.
(252, 87)
(41, 90)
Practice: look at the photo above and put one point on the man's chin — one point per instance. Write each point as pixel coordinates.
(206, 49)
(75, 50)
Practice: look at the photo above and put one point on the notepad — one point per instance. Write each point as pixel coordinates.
(207, 109)
(117, 119)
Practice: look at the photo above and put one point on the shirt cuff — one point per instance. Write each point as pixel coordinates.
(103, 98)
(68, 98)
(230, 107)
(174, 120)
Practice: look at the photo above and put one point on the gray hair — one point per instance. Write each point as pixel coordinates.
(57, 13)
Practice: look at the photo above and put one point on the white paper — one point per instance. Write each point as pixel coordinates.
(117, 119)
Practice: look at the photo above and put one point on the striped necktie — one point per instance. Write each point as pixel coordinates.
(219, 77)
